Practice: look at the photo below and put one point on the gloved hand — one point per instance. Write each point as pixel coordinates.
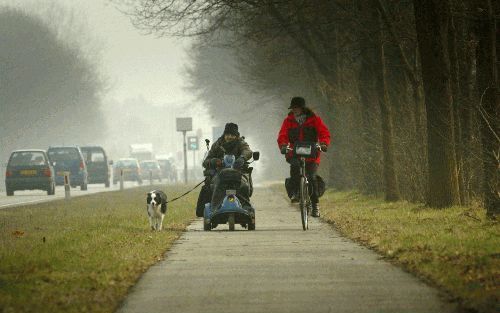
(283, 149)
(323, 146)
(239, 163)
(215, 163)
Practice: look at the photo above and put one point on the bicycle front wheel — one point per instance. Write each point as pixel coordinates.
(303, 202)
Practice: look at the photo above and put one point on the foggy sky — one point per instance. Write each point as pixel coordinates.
(135, 64)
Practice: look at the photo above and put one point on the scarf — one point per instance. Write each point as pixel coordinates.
(300, 118)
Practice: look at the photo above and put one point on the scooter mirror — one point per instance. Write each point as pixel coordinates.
(256, 155)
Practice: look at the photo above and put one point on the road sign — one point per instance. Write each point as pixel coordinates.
(192, 143)
(184, 124)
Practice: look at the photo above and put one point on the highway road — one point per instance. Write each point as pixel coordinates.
(36, 196)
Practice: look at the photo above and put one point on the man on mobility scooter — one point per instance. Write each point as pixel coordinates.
(225, 197)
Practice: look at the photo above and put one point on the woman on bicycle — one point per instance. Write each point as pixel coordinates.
(302, 124)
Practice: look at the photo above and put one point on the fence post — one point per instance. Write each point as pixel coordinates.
(121, 179)
(67, 189)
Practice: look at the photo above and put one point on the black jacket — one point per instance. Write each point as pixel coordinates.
(237, 148)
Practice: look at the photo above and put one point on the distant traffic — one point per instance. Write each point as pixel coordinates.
(37, 169)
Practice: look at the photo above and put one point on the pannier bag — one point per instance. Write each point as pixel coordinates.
(288, 187)
(321, 186)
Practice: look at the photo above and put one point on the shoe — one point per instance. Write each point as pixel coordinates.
(294, 198)
(315, 210)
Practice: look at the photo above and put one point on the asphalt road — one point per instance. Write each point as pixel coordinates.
(36, 196)
(277, 268)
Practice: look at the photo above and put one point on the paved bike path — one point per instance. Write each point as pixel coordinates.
(277, 268)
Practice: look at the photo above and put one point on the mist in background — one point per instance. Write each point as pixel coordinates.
(81, 74)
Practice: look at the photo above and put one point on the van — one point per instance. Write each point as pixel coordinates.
(69, 159)
(97, 165)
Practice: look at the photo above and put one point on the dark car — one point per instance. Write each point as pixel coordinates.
(150, 169)
(168, 170)
(29, 170)
(129, 168)
(97, 165)
(69, 159)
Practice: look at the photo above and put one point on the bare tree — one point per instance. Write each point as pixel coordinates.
(489, 106)
(432, 18)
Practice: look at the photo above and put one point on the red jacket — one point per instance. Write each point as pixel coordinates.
(313, 129)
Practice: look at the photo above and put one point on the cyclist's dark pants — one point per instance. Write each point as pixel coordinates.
(311, 170)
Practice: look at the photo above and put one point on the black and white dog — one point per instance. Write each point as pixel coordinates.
(156, 207)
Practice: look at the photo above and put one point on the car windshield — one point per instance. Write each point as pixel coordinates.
(94, 156)
(126, 163)
(63, 154)
(149, 165)
(164, 163)
(26, 158)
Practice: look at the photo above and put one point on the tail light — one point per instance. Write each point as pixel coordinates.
(8, 173)
(46, 172)
(82, 165)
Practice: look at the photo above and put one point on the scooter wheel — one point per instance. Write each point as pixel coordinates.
(231, 222)
(251, 226)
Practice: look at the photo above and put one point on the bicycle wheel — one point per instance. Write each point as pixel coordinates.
(303, 203)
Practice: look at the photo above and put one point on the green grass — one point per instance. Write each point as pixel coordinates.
(456, 249)
(84, 254)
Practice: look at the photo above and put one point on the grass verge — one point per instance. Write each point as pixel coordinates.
(84, 254)
(456, 249)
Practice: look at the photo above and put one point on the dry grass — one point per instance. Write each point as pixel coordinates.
(82, 255)
(457, 249)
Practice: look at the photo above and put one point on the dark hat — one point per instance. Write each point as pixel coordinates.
(297, 102)
(231, 128)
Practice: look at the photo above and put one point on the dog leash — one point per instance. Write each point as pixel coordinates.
(186, 192)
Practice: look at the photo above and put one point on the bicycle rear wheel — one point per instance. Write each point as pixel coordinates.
(303, 203)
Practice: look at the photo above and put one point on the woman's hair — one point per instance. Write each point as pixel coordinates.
(306, 110)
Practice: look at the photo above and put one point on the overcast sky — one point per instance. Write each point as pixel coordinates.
(138, 67)
(135, 64)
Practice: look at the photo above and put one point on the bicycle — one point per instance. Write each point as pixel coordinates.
(303, 150)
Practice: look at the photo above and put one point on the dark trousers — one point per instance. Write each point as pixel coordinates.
(204, 197)
(311, 170)
(219, 192)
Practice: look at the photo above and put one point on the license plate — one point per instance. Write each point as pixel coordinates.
(230, 192)
(28, 172)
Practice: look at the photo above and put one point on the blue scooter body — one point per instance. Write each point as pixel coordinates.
(230, 210)
(230, 205)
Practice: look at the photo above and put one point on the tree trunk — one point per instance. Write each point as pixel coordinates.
(489, 106)
(466, 58)
(457, 103)
(370, 134)
(432, 18)
(390, 179)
